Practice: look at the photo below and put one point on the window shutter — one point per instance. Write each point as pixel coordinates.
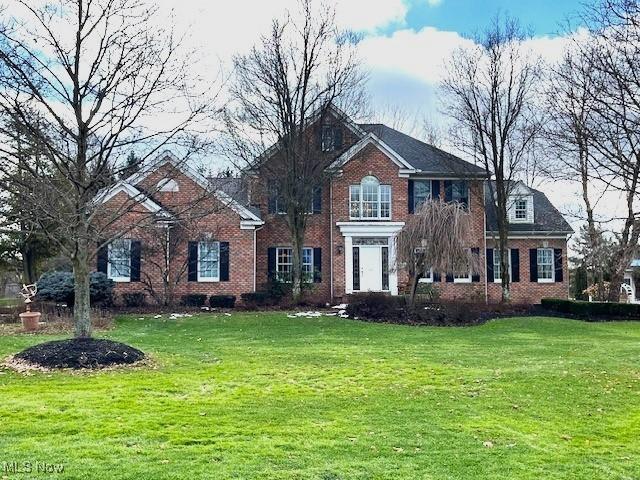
(271, 263)
(337, 138)
(193, 262)
(317, 200)
(515, 265)
(533, 264)
(224, 261)
(102, 258)
(410, 196)
(135, 260)
(448, 191)
(435, 189)
(317, 265)
(436, 277)
(449, 278)
(475, 277)
(490, 265)
(557, 264)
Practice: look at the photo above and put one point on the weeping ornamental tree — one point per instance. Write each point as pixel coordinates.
(435, 237)
(88, 81)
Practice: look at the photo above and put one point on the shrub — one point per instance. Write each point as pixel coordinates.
(375, 306)
(134, 299)
(589, 310)
(59, 287)
(193, 300)
(257, 299)
(222, 301)
(428, 292)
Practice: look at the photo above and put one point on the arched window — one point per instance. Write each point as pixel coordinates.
(369, 199)
(168, 185)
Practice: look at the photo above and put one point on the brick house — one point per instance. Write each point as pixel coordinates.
(378, 178)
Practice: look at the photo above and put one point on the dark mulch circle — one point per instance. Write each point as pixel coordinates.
(80, 353)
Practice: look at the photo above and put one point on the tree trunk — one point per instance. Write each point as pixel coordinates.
(296, 268)
(28, 263)
(415, 279)
(82, 302)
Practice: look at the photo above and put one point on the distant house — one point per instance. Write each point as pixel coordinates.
(379, 177)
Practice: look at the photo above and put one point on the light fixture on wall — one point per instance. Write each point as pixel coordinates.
(338, 249)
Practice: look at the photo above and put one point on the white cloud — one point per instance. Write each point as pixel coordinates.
(434, 3)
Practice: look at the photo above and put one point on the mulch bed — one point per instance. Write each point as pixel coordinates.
(77, 353)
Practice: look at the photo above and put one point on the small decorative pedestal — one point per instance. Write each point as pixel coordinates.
(30, 321)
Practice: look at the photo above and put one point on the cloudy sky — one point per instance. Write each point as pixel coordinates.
(405, 43)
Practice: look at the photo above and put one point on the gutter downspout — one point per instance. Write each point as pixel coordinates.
(331, 239)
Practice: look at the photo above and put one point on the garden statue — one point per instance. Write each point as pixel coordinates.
(30, 320)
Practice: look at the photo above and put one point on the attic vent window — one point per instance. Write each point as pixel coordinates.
(168, 185)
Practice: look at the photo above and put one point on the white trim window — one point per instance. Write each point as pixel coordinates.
(497, 271)
(370, 200)
(520, 209)
(428, 276)
(209, 261)
(463, 277)
(119, 264)
(284, 264)
(545, 265)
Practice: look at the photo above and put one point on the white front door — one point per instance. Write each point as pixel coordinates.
(370, 269)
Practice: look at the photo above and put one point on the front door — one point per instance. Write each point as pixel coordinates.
(370, 269)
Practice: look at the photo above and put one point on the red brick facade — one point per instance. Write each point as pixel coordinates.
(328, 230)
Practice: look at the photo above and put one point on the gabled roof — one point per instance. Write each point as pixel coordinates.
(547, 219)
(421, 156)
(169, 158)
(369, 139)
(134, 193)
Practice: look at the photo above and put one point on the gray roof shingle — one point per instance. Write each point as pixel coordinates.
(422, 156)
(236, 188)
(547, 219)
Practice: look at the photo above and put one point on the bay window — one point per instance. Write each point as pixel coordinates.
(370, 200)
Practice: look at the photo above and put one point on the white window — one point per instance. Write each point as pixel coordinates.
(284, 264)
(520, 209)
(464, 275)
(545, 265)
(497, 265)
(370, 200)
(119, 265)
(209, 261)
(428, 276)
(168, 185)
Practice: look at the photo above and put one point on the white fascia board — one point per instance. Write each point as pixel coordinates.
(135, 194)
(244, 212)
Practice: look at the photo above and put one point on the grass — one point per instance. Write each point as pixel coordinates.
(265, 396)
(9, 302)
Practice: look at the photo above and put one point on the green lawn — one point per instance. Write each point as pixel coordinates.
(265, 396)
(9, 302)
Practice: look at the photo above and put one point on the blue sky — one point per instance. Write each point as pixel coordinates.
(466, 16)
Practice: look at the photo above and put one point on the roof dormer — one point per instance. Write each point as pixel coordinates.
(520, 204)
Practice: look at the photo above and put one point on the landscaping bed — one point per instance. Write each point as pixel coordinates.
(79, 353)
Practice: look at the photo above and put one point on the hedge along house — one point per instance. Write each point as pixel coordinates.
(377, 177)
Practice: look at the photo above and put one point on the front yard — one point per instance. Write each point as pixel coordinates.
(265, 396)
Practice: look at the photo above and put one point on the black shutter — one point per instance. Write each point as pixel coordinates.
(224, 261)
(448, 191)
(449, 277)
(271, 263)
(436, 277)
(490, 265)
(515, 265)
(193, 262)
(317, 200)
(337, 138)
(533, 264)
(435, 189)
(557, 264)
(135, 260)
(317, 265)
(410, 196)
(475, 277)
(102, 258)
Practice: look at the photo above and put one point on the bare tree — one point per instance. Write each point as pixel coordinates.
(102, 77)
(282, 93)
(435, 238)
(490, 93)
